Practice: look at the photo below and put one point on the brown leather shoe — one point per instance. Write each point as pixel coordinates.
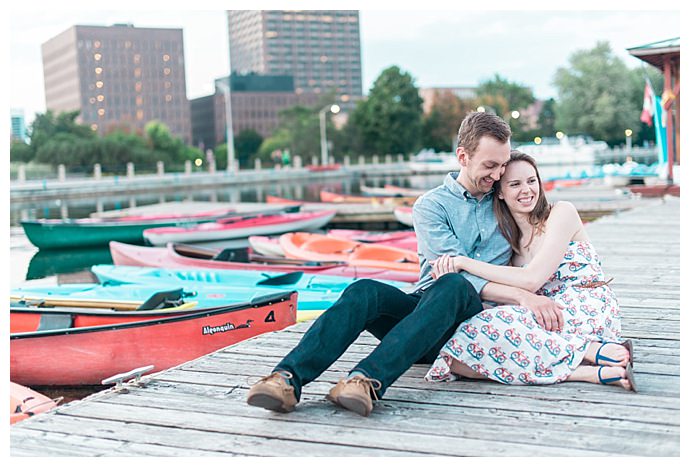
(272, 392)
(355, 394)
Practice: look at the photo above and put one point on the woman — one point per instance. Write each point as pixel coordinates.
(552, 255)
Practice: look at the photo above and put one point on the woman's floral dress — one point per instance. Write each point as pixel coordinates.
(506, 344)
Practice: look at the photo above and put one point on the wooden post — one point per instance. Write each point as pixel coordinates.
(97, 171)
(130, 170)
(61, 173)
(160, 168)
(187, 167)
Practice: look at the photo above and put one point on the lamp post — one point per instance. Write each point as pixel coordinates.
(333, 108)
(628, 141)
(229, 137)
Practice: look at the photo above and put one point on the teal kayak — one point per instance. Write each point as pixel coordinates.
(207, 287)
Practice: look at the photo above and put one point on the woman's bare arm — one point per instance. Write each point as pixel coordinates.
(563, 223)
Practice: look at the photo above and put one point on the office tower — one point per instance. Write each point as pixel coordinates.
(319, 48)
(17, 125)
(118, 77)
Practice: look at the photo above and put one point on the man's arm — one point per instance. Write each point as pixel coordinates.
(435, 237)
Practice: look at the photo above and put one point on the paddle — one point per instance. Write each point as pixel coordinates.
(156, 301)
(289, 278)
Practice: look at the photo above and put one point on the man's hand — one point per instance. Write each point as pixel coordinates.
(548, 313)
(442, 265)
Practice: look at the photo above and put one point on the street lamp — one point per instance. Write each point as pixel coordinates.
(229, 137)
(333, 108)
(628, 140)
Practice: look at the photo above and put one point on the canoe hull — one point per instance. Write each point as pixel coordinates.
(86, 356)
(257, 226)
(54, 235)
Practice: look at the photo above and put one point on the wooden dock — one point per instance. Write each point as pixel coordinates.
(199, 409)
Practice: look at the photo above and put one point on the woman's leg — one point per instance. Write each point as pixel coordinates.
(460, 369)
(590, 374)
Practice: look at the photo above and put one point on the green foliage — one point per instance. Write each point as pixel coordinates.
(279, 140)
(440, 126)
(58, 139)
(598, 95)
(20, 152)
(247, 143)
(547, 118)
(504, 96)
(389, 121)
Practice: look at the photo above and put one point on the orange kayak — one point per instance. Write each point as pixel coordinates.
(318, 247)
(25, 402)
(330, 197)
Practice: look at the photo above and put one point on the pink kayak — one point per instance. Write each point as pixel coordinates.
(240, 227)
(179, 256)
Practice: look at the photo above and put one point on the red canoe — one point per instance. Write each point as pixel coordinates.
(187, 256)
(87, 355)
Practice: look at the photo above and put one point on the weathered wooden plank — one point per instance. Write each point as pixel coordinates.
(319, 412)
(33, 443)
(120, 438)
(286, 427)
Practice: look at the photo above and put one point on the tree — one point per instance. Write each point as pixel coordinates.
(440, 125)
(247, 143)
(504, 96)
(547, 118)
(390, 119)
(598, 95)
(46, 126)
(20, 152)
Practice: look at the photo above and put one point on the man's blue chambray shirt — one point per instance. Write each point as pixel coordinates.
(449, 220)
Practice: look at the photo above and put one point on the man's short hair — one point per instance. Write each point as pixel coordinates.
(478, 124)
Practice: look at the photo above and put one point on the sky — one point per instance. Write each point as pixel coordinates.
(442, 46)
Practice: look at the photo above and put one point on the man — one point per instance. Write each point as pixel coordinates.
(455, 218)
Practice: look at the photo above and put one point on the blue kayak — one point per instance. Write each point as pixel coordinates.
(206, 287)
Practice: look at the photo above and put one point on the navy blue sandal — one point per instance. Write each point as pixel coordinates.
(628, 373)
(627, 344)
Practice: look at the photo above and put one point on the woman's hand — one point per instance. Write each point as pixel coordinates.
(442, 265)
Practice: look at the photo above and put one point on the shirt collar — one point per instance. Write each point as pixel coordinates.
(451, 182)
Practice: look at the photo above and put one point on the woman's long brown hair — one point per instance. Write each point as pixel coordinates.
(537, 217)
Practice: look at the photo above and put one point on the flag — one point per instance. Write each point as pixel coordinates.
(647, 104)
